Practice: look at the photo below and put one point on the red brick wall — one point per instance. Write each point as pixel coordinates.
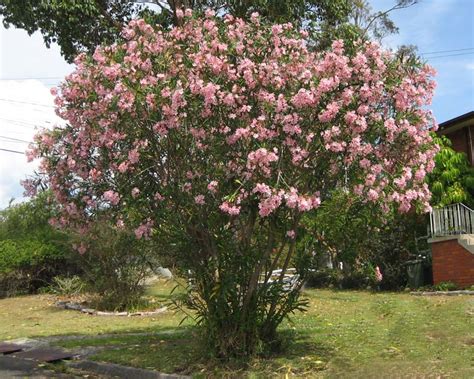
(452, 263)
(459, 139)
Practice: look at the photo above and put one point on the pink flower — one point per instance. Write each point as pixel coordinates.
(212, 186)
(135, 192)
(378, 274)
(331, 111)
(372, 195)
(291, 234)
(81, 248)
(262, 189)
(144, 230)
(179, 13)
(133, 156)
(261, 159)
(230, 209)
(123, 167)
(199, 199)
(269, 204)
(111, 196)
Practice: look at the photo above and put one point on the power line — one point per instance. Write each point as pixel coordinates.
(25, 122)
(449, 55)
(25, 102)
(19, 133)
(14, 139)
(12, 151)
(24, 125)
(33, 78)
(447, 51)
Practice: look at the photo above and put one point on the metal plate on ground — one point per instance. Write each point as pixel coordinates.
(44, 355)
(8, 348)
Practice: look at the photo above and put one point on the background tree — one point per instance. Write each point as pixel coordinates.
(350, 231)
(81, 26)
(376, 25)
(215, 138)
(32, 252)
(452, 180)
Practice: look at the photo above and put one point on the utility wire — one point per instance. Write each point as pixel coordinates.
(12, 151)
(447, 51)
(15, 139)
(26, 122)
(25, 102)
(20, 125)
(449, 55)
(19, 133)
(33, 78)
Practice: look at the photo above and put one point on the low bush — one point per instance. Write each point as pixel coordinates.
(32, 252)
(357, 279)
(27, 265)
(115, 265)
(446, 286)
(360, 278)
(324, 278)
(64, 285)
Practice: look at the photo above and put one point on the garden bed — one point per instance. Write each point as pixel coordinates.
(442, 293)
(85, 309)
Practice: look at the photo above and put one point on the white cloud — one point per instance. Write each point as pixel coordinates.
(470, 66)
(25, 107)
(24, 104)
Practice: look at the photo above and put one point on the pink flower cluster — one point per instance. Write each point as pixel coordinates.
(378, 274)
(261, 160)
(232, 210)
(112, 197)
(144, 229)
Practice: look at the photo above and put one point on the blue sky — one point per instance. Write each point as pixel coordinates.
(432, 25)
(441, 25)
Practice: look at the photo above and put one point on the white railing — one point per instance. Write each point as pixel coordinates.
(452, 219)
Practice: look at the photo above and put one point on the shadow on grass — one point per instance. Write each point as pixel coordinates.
(110, 338)
(181, 351)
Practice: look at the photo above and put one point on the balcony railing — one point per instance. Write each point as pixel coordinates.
(451, 220)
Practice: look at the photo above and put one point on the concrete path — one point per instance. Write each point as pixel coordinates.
(28, 364)
(12, 367)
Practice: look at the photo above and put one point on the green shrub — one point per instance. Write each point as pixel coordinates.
(446, 286)
(324, 278)
(357, 279)
(64, 285)
(32, 252)
(27, 265)
(115, 265)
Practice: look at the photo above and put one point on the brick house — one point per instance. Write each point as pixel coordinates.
(460, 131)
(452, 227)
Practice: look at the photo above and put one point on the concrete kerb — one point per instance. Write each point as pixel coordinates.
(119, 371)
(442, 293)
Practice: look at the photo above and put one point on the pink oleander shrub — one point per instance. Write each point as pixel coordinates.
(214, 138)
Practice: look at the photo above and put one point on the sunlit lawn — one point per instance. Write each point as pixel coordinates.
(344, 334)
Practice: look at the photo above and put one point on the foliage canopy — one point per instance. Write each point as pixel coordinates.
(214, 138)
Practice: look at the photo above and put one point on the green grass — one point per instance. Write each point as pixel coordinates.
(343, 334)
(37, 316)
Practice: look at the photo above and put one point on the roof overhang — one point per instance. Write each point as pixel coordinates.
(456, 123)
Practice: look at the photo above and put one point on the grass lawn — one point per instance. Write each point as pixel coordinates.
(343, 334)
